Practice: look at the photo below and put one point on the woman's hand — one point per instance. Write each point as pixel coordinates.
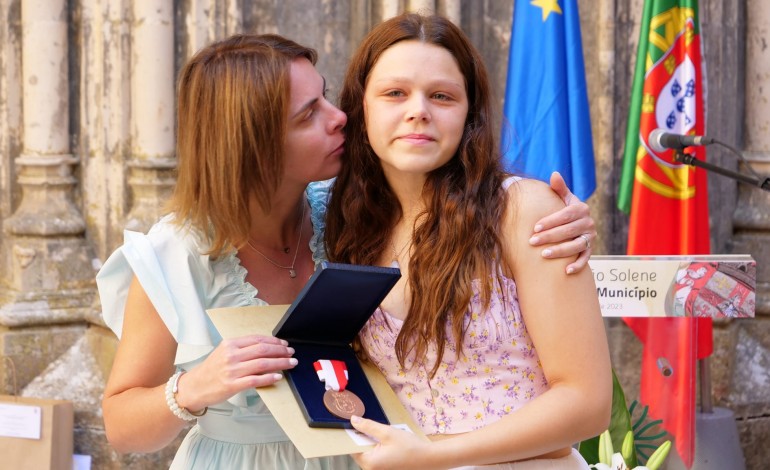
(136, 415)
(572, 228)
(395, 448)
(234, 365)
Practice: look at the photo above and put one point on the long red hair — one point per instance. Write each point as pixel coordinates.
(456, 239)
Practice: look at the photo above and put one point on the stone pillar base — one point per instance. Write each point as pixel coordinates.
(152, 182)
(716, 444)
(49, 281)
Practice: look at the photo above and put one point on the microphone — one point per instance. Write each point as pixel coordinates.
(660, 140)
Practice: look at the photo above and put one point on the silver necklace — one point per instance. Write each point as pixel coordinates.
(397, 254)
(292, 272)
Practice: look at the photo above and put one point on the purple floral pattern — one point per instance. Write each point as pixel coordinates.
(497, 373)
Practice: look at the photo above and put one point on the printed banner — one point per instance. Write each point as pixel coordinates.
(675, 286)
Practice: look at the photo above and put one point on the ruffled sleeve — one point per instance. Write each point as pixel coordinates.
(177, 278)
(318, 194)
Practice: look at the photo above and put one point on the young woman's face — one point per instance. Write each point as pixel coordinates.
(314, 138)
(415, 107)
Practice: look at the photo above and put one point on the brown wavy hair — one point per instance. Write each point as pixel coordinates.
(455, 240)
(232, 108)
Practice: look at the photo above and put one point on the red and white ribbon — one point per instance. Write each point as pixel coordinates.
(333, 373)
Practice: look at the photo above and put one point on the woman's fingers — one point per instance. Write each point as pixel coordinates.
(254, 356)
(564, 225)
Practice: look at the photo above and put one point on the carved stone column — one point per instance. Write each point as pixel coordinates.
(752, 212)
(208, 20)
(388, 9)
(598, 31)
(152, 111)
(748, 393)
(449, 8)
(421, 6)
(49, 274)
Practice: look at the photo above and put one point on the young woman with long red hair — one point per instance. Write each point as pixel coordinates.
(486, 343)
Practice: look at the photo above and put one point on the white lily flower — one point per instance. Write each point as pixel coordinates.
(617, 464)
(600, 466)
(616, 460)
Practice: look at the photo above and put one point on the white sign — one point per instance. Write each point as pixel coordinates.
(22, 421)
(716, 286)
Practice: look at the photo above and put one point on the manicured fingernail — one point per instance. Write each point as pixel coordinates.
(277, 376)
(534, 240)
(290, 350)
(547, 252)
(355, 419)
(293, 361)
(538, 228)
(284, 342)
(570, 270)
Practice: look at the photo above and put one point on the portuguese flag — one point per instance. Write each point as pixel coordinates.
(668, 203)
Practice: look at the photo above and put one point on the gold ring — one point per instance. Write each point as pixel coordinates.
(585, 239)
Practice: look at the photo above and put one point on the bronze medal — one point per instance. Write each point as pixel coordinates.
(343, 404)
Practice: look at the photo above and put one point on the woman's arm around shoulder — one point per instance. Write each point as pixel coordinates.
(570, 230)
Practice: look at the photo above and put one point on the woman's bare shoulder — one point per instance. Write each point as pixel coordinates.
(529, 200)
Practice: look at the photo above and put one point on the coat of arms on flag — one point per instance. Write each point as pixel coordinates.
(672, 100)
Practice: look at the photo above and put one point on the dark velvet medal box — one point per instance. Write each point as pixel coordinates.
(321, 324)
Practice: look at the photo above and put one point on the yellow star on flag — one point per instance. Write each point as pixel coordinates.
(548, 6)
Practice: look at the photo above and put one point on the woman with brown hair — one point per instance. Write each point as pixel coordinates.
(244, 228)
(254, 129)
(484, 341)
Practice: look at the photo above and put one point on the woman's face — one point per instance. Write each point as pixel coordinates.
(314, 138)
(415, 105)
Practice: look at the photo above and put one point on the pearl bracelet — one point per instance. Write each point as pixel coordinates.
(172, 387)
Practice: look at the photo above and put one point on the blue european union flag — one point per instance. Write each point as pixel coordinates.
(548, 124)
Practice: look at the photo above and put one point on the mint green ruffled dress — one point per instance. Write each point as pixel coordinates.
(182, 284)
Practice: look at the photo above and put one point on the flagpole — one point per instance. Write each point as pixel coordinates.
(704, 366)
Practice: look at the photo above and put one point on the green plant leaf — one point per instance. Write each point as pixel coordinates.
(647, 432)
(620, 424)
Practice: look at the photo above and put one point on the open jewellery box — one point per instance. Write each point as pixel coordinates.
(321, 323)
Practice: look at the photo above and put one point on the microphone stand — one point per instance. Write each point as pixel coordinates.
(756, 181)
(717, 422)
(704, 365)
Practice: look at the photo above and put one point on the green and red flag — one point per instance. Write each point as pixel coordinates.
(668, 202)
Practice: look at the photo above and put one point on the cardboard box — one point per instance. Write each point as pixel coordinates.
(322, 321)
(716, 286)
(52, 449)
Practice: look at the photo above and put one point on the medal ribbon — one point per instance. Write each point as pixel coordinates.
(333, 373)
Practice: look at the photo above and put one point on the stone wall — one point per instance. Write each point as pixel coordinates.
(87, 150)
